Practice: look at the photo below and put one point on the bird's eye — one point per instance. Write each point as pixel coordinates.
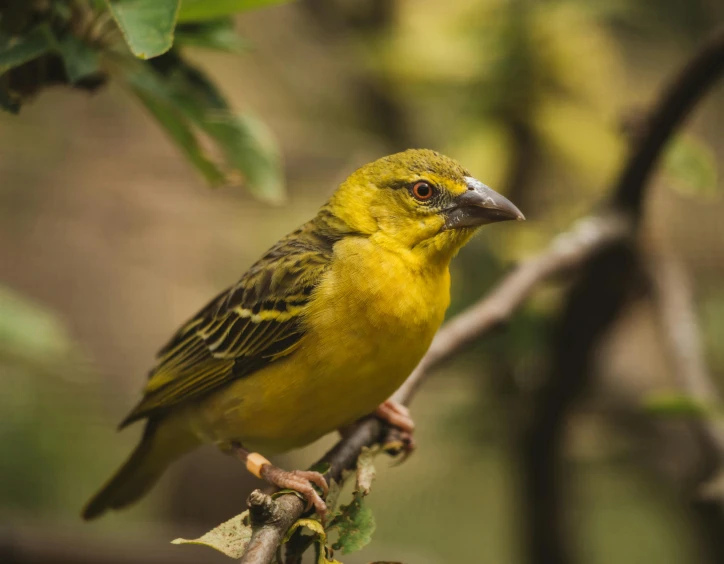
(422, 191)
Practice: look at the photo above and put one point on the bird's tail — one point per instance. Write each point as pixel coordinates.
(160, 445)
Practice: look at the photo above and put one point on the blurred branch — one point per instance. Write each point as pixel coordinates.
(677, 317)
(675, 308)
(676, 102)
(609, 275)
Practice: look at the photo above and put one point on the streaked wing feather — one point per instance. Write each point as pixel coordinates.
(243, 329)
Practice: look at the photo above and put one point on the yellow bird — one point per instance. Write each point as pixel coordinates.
(319, 332)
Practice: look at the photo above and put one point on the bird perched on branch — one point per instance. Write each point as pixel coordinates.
(319, 332)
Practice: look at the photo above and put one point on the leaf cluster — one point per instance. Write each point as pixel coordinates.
(352, 524)
(82, 44)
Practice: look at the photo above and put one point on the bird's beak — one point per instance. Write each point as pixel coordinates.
(479, 205)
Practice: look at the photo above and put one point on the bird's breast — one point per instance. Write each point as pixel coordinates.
(367, 325)
(372, 318)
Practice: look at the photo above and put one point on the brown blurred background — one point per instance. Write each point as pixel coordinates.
(109, 240)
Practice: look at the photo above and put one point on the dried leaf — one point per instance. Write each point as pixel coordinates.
(366, 469)
(318, 529)
(335, 489)
(230, 538)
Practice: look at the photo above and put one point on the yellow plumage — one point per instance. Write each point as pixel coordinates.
(322, 329)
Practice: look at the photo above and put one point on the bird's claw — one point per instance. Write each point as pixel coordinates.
(399, 439)
(398, 442)
(300, 481)
(397, 415)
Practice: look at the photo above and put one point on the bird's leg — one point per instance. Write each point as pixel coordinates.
(399, 438)
(298, 480)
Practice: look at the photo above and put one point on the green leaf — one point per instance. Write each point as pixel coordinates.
(214, 34)
(676, 404)
(79, 58)
(691, 166)
(355, 525)
(355, 522)
(181, 131)
(320, 466)
(251, 152)
(18, 50)
(8, 103)
(147, 25)
(230, 538)
(246, 152)
(207, 10)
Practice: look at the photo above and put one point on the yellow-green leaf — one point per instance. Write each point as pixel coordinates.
(677, 404)
(691, 167)
(194, 10)
(230, 538)
(147, 25)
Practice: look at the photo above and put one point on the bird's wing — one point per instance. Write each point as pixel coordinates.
(243, 329)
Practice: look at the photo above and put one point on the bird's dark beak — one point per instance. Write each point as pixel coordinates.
(479, 205)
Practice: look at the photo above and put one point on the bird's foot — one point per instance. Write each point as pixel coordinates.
(400, 438)
(300, 481)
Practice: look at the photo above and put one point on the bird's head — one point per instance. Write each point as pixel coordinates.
(419, 200)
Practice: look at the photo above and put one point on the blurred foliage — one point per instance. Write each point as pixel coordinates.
(37, 357)
(499, 70)
(691, 168)
(78, 43)
(676, 404)
(30, 336)
(531, 96)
